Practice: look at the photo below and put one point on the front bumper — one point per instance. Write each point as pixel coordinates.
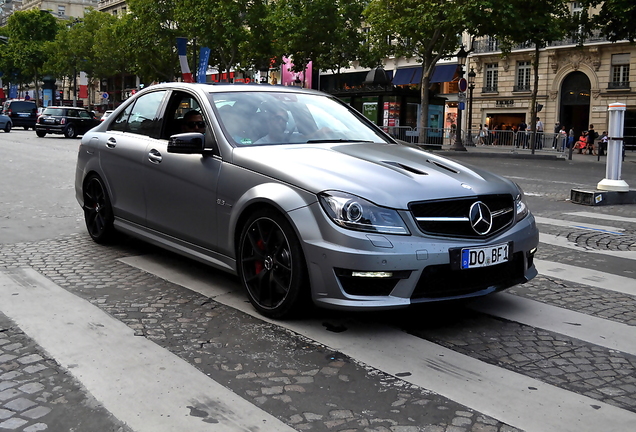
(389, 271)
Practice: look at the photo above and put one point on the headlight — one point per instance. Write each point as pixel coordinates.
(350, 211)
(521, 207)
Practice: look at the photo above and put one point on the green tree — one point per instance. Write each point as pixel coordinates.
(426, 29)
(148, 35)
(221, 25)
(536, 23)
(323, 31)
(614, 18)
(29, 33)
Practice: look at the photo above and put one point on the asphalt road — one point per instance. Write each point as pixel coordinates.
(129, 337)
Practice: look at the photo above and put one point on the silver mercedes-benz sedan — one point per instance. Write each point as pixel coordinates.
(302, 198)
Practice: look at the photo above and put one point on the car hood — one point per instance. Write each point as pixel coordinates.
(390, 175)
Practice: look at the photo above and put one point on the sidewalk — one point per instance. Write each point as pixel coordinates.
(520, 153)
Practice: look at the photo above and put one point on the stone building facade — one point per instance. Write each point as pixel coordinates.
(576, 84)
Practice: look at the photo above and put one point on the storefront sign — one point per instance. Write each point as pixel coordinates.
(506, 102)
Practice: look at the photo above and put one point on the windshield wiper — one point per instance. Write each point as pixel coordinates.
(313, 141)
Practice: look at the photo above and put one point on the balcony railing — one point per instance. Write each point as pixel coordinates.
(521, 88)
(618, 85)
(489, 89)
(487, 46)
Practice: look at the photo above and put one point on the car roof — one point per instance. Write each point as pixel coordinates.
(231, 87)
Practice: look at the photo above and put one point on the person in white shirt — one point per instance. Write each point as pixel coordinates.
(539, 135)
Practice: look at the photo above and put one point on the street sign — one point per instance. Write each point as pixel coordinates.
(463, 85)
(105, 95)
(460, 106)
(461, 97)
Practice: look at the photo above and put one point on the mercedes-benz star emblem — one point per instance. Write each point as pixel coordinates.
(480, 218)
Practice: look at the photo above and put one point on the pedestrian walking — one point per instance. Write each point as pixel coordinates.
(538, 142)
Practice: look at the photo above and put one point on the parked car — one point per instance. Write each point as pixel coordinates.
(22, 113)
(301, 197)
(5, 123)
(106, 114)
(70, 121)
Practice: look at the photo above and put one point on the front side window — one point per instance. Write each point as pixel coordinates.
(142, 116)
(264, 118)
(492, 77)
(523, 76)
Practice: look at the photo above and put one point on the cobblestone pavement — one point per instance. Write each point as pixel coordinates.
(305, 384)
(37, 395)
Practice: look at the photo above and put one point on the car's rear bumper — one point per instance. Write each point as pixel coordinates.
(54, 129)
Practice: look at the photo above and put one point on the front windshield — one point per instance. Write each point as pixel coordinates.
(266, 118)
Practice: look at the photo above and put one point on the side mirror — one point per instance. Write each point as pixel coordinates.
(187, 143)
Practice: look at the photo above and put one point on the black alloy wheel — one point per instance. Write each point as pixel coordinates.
(98, 213)
(70, 131)
(271, 265)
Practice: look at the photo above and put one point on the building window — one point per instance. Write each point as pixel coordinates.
(492, 76)
(61, 11)
(493, 44)
(523, 76)
(620, 71)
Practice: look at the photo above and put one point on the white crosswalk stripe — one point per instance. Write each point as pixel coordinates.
(494, 391)
(78, 334)
(141, 383)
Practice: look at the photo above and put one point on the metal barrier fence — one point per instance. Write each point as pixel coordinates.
(438, 137)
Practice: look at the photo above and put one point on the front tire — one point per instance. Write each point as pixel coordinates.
(41, 134)
(7, 127)
(271, 265)
(70, 131)
(98, 212)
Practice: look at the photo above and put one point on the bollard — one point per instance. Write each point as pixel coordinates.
(612, 180)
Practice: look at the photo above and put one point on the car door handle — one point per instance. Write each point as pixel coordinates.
(111, 143)
(154, 156)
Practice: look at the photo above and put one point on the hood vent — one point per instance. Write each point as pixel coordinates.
(447, 168)
(405, 167)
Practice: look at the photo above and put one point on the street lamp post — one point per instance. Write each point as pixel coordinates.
(458, 145)
(471, 87)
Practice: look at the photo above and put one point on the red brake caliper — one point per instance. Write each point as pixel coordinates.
(258, 265)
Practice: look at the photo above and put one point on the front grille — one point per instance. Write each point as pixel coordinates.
(450, 217)
(441, 281)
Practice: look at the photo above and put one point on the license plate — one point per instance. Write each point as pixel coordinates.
(49, 120)
(484, 257)
(23, 114)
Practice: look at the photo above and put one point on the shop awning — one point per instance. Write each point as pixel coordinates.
(444, 73)
(404, 76)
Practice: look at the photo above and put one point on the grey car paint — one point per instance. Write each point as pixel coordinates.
(197, 203)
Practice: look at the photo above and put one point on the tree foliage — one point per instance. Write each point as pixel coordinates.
(29, 33)
(614, 18)
(428, 30)
(323, 31)
(536, 23)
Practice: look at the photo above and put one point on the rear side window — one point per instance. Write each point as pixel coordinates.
(141, 117)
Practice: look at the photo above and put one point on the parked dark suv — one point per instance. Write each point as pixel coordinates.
(69, 121)
(22, 112)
